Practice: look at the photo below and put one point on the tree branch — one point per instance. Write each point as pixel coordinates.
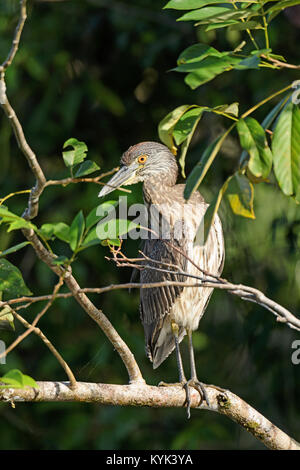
(224, 402)
(17, 37)
(245, 292)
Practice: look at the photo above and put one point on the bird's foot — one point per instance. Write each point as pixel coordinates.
(173, 384)
(220, 389)
(199, 386)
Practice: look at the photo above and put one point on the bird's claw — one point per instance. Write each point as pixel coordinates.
(220, 389)
(173, 384)
(197, 385)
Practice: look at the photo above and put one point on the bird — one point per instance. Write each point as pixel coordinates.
(170, 312)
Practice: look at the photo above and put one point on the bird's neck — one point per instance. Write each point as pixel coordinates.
(156, 190)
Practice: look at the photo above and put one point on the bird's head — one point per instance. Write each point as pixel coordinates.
(142, 162)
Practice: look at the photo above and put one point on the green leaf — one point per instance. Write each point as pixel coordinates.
(184, 148)
(232, 109)
(77, 154)
(76, 231)
(114, 228)
(108, 232)
(205, 13)
(6, 316)
(207, 69)
(13, 249)
(286, 150)
(215, 14)
(11, 280)
(59, 230)
(239, 191)
(207, 221)
(251, 62)
(90, 240)
(282, 5)
(186, 123)
(253, 139)
(238, 26)
(205, 62)
(60, 260)
(271, 116)
(104, 208)
(15, 222)
(199, 171)
(240, 194)
(190, 4)
(86, 168)
(115, 242)
(166, 126)
(223, 24)
(198, 52)
(16, 379)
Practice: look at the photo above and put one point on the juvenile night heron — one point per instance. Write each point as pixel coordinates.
(168, 313)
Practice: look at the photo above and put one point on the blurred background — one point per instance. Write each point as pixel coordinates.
(100, 71)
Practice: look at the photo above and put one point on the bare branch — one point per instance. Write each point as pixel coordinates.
(17, 37)
(279, 63)
(36, 191)
(246, 293)
(96, 180)
(224, 402)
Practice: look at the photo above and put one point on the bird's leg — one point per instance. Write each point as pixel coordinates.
(194, 382)
(182, 379)
(175, 330)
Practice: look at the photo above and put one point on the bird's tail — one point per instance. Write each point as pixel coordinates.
(164, 344)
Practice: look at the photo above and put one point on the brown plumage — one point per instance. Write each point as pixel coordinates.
(170, 312)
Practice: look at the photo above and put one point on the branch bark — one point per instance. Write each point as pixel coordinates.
(17, 37)
(223, 402)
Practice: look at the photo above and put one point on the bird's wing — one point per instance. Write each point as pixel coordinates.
(157, 302)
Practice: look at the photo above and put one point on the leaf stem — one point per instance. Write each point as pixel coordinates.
(265, 27)
(258, 105)
(248, 30)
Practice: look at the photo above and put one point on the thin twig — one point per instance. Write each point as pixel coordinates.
(36, 191)
(38, 332)
(27, 332)
(244, 292)
(281, 64)
(96, 180)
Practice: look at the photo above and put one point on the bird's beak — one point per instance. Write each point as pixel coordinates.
(125, 176)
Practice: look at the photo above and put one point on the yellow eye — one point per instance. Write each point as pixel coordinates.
(142, 159)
